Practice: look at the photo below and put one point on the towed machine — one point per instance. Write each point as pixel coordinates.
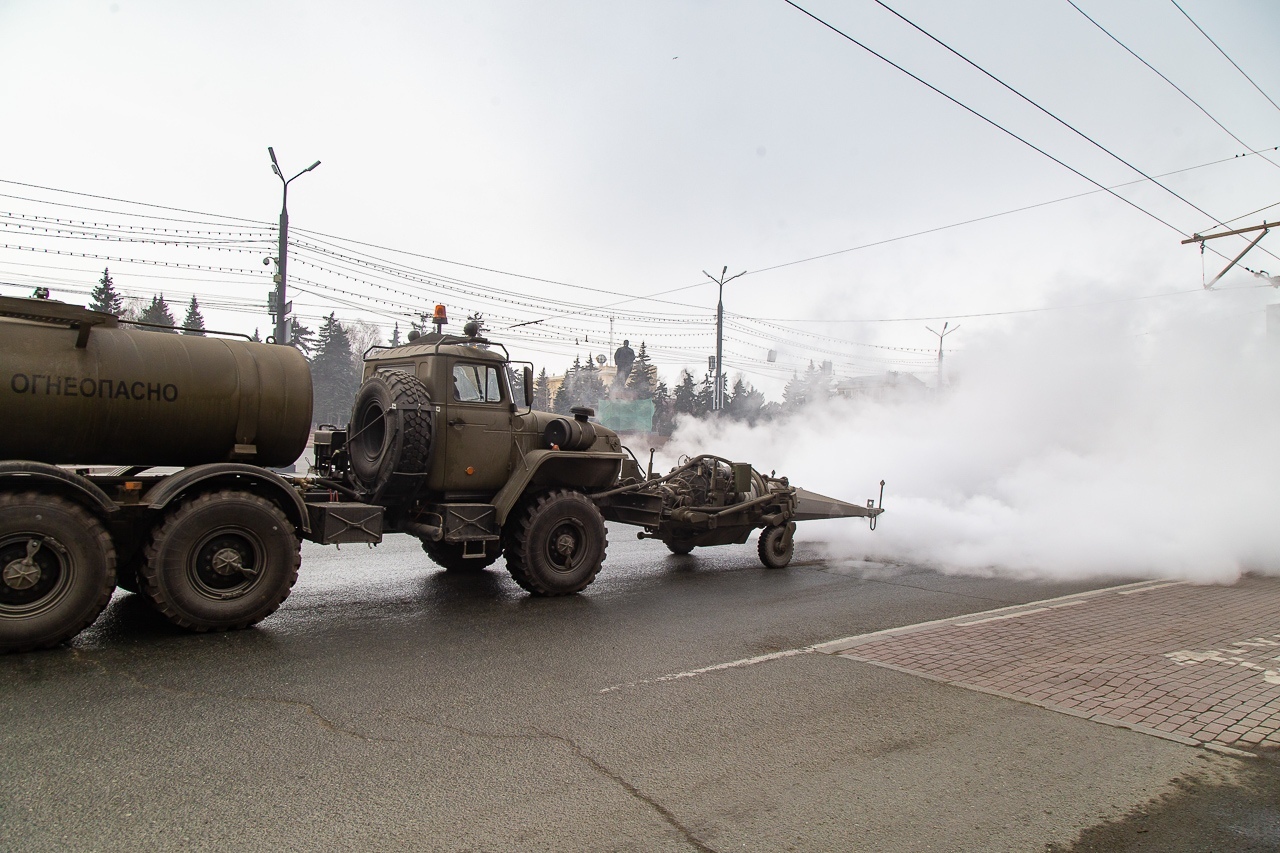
(150, 462)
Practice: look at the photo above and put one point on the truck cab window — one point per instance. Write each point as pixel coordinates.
(476, 383)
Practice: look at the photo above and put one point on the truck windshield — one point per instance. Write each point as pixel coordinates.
(476, 383)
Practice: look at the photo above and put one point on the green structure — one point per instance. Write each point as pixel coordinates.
(627, 415)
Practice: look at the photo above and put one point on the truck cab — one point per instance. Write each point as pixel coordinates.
(443, 437)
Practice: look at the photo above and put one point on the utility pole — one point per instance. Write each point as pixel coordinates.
(941, 335)
(1265, 227)
(281, 304)
(718, 396)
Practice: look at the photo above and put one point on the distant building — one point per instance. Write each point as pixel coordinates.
(886, 386)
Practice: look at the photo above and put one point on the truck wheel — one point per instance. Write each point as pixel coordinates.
(221, 561)
(557, 543)
(376, 448)
(776, 545)
(679, 548)
(448, 555)
(57, 570)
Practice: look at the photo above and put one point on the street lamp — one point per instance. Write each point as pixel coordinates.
(282, 307)
(718, 397)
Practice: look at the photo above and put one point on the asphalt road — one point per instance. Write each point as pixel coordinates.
(389, 705)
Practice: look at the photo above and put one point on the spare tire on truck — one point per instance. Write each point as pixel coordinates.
(389, 437)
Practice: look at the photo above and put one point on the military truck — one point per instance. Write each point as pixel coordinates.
(442, 444)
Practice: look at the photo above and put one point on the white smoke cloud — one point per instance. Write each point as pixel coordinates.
(1062, 450)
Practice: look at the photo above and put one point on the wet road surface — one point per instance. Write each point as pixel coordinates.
(390, 705)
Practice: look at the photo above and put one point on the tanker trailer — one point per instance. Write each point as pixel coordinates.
(214, 544)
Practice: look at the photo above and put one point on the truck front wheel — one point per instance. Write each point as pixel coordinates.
(556, 543)
(221, 561)
(57, 570)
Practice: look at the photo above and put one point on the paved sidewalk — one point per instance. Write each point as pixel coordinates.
(1196, 664)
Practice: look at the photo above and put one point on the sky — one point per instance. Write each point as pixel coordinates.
(559, 163)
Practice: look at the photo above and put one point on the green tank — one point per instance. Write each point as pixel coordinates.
(77, 388)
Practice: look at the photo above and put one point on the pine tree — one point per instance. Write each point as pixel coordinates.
(745, 403)
(301, 338)
(664, 414)
(395, 335)
(334, 374)
(563, 400)
(685, 399)
(193, 323)
(644, 376)
(256, 335)
(158, 314)
(705, 398)
(542, 392)
(817, 383)
(104, 297)
(793, 395)
(588, 387)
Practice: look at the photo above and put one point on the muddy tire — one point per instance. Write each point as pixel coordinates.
(390, 435)
(776, 547)
(555, 544)
(57, 570)
(221, 561)
(448, 555)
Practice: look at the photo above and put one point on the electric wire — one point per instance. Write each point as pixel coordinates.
(1050, 114)
(1224, 53)
(1170, 82)
(984, 118)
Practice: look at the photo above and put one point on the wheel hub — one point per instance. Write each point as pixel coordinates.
(24, 573)
(566, 544)
(227, 561)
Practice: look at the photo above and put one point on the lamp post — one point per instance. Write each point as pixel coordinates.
(282, 306)
(945, 331)
(718, 397)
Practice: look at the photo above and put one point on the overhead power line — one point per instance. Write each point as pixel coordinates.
(979, 115)
(1047, 112)
(1170, 82)
(1224, 53)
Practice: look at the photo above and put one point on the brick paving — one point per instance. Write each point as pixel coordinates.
(1195, 664)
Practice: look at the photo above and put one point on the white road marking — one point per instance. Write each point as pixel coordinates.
(831, 647)
(692, 673)
(1233, 656)
(1002, 617)
(1149, 588)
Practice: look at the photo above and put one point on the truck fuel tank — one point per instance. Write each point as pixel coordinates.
(76, 388)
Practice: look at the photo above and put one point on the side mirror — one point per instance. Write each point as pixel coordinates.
(528, 387)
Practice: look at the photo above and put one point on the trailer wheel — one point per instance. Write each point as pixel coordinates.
(221, 561)
(377, 449)
(556, 543)
(448, 555)
(777, 545)
(57, 570)
(679, 548)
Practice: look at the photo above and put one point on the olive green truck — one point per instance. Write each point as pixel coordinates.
(162, 464)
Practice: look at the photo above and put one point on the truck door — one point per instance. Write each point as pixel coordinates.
(476, 429)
